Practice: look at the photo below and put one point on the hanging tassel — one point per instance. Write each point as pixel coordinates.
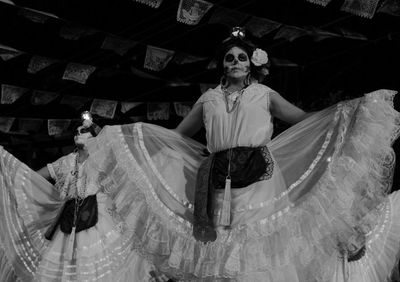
(225, 218)
(345, 267)
(70, 252)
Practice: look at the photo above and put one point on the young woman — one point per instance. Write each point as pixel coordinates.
(66, 232)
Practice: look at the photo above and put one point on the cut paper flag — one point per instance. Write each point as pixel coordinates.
(118, 45)
(192, 11)
(152, 3)
(363, 8)
(8, 53)
(34, 16)
(157, 58)
(183, 58)
(42, 97)
(290, 33)
(320, 2)
(29, 124)
(74, 32)
(77, 72)
(127, 106)
(75, 102)
(57, 126)
(6, 123)
(391, 7)
(319, 34)
(205, 86)
(260, 27)
(182, 109)
(227, 17)
(352, 34)
(103, 108)
(38, 63)
(11, 93)
(158, 111)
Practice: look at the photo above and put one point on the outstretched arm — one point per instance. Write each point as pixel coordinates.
(284, 110)
(45, 173)
(192, 123)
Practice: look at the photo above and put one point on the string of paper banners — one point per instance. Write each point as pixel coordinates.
(191, 11)
(100, 107)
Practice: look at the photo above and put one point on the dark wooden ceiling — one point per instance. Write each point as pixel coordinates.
(356, 66)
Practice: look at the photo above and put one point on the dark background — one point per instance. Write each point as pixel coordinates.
(327, 71)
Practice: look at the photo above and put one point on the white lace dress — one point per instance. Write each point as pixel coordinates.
(100, 253)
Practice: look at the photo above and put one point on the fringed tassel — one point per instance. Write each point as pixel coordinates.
(225, 218)
(70, 249)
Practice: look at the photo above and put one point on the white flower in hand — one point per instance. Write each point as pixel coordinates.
(259, 57)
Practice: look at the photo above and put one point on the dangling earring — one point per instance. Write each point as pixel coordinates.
(247, 80)
(223, 81)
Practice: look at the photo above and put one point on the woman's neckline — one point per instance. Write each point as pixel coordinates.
(221, 89)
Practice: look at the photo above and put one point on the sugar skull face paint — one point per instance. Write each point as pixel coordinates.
(82, 135)
(236, 63)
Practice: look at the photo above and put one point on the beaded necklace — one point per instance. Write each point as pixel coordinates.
(78, 181)
(232, 99)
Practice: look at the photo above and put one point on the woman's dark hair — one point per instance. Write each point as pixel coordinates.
(94, 129)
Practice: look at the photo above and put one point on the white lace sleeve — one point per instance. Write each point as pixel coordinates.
(60, 170)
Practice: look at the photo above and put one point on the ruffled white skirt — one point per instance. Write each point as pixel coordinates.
(29, 205)
(327, 199)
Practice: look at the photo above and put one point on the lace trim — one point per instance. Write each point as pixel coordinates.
(270, 164)
(388, 98)
(187, 204)
(378, 230)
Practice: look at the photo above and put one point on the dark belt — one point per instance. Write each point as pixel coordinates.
(247, 166)
(86, 216)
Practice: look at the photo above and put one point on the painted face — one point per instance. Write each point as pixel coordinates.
(82, 135)
(236, 63)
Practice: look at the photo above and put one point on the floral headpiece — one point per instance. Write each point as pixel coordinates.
(88, 124)
(87, 119)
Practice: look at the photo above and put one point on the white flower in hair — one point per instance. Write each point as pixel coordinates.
(259, 57)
